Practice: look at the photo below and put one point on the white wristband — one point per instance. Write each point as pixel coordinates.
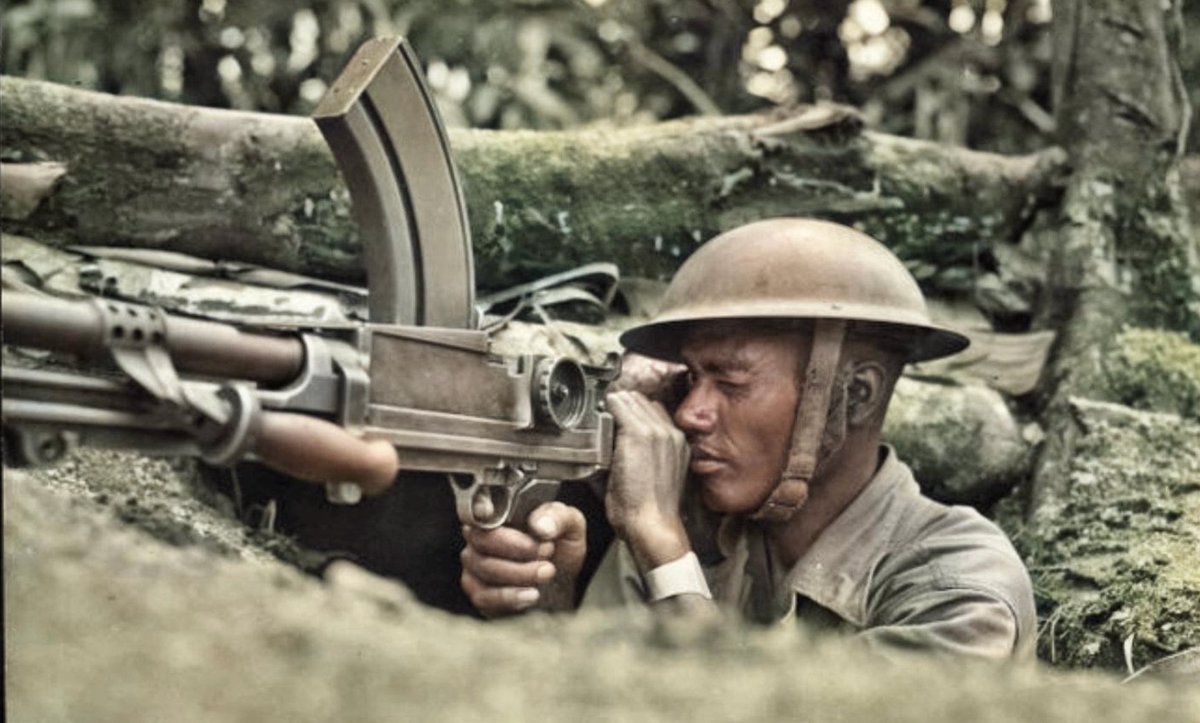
(678, 577)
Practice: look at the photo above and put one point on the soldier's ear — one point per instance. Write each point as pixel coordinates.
(866, 394)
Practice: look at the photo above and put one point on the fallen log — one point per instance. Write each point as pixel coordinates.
(262, 188)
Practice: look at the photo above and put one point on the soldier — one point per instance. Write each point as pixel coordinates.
(765, 488)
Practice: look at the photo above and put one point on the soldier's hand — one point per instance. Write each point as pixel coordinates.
(652, 377)
(507, 571)
(646, 482)
(316, 450)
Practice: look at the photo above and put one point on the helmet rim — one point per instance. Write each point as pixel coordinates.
(661, 339)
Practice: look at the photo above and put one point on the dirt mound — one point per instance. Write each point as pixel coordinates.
(113, 621)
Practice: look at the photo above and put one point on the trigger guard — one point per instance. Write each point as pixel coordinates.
(518, 501)
(464, 503)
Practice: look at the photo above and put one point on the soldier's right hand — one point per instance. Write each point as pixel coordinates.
(506, 571)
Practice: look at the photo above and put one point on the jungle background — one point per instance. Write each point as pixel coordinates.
(965, 72)
(1032, 162)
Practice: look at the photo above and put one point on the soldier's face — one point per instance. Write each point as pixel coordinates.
(738, 412)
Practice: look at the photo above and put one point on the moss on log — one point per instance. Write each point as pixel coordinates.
(262, 188)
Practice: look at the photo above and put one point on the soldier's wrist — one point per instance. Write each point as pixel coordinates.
(682, 576)
(655, 541)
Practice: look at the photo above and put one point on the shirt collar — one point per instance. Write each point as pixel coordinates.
(835, 572)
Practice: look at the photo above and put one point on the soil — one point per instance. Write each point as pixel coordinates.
(1116, 560)
(132, 594)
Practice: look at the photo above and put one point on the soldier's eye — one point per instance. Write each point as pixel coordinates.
(730, 386)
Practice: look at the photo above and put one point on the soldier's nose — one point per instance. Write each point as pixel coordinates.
(696, 415)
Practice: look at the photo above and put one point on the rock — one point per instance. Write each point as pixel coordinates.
(962, 442)
(1115, 556)
(1156, 370)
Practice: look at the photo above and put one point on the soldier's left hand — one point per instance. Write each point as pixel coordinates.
(646, 482)
(652, 377)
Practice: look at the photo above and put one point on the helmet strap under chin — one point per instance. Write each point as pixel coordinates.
(808, 430)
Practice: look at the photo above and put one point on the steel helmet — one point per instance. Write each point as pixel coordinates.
(794, 268)
(798, 268)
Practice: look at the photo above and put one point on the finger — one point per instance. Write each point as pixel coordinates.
(646, 375)
(556, 521)
(652, 418)
(640, 406)
(653, 412)
(659, 413)
(498, 572)
(637, 371)
(506, 542)
(661, 421)
(319, 451)
(618, 406)
(497, 601)
(629, 419)
(570, 546)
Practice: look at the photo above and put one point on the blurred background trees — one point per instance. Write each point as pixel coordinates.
(966, 72)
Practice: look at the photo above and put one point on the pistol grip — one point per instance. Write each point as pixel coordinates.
(533, 495)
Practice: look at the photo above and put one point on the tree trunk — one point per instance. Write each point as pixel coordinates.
(1113, 511)
(1121, 248)
(262, 188)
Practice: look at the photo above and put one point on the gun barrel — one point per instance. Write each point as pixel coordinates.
(79, 326)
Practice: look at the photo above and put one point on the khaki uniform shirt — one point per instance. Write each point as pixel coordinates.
(895, 568)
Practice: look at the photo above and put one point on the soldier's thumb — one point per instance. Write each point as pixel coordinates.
(566, 527)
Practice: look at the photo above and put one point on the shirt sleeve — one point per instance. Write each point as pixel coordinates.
(963, 594)
(617, 583)
(958, 622)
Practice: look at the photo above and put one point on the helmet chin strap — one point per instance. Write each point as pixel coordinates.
(808, 430)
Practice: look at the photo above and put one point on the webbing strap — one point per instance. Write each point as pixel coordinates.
(809, 428)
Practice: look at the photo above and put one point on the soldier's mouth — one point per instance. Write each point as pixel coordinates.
(704, 461)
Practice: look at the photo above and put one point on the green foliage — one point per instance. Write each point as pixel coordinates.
(562, 63)
(1155, 370)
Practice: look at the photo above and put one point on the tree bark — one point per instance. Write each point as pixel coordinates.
(1121, 248)
(262, 188)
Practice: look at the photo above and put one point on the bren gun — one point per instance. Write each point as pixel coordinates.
(506, 429)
